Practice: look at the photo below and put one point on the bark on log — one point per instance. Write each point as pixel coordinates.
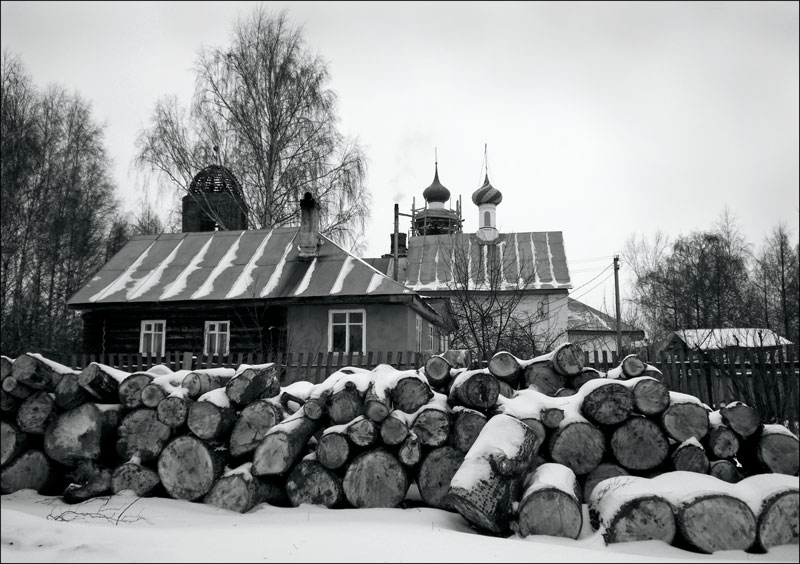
(607, 404)
(713, 522)
(240, 491)
(721, 442)
(410, 393)
(152, 394)
(173, 411)
(253, 382)
(37, 412)
(252, 425)
(394, 429)
(283, 444)
(346, 404)
(130, 389)
(134, 477)
(778, 519)
(587, 373)
(142, 435)
(690, 456)
(410, 452)
(505, 367)
(188, 467)
(86, 481)
(362, 432)
(30, 470)
(639, 444)
(199, 382)
(437, 370)
(435, 473)
(684, 419)
(477, 389)
(35, 371)
(629, 367)
(743, 419)
(316, 407)
(69, 393)
(208, 420)
(376, 404)
(603, 471)
(375, 478)
(543, 377)
(540, 431)
(16, 388)
(774, 450)
(75, 435)
(311, 482)
(506, 390)
(102, 382)
(725, 470)
(551, 417)
(432, 427)
(549, 504)
(567, 359)
(333, 448)
(578, 445)
(13, 442)
(649, 517)
(650, 397)
(467, 425)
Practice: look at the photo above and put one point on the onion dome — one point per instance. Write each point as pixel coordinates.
(215, 178)
(487, 194)
(436, 192)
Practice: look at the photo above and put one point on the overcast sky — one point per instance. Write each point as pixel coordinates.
(602, 119)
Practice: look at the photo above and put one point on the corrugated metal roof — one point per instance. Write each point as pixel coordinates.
(712, 339)
(535, 258)
(229, 265)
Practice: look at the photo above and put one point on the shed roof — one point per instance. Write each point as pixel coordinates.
(713, 339)
(583, 317)
(229, 265)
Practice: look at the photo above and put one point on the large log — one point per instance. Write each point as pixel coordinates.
(394, 429)
(650, 396)
(477, 389)
(711, 522)
(603, 471)
(311, 482)
(375, 478)
(132, 476)
(345, 404)
(173, 411)
(6, 364)
(639, 444)
(211, 416)
(86, 481)
(435, 473)
(505, 367)
(238, 490)
(543, 377)
(37, 412)
(376, 403)
(743, 419)
(362, 432)
(283, 444)
(152, 394)
(333, 448)
(38, 372)
(252, 425)
(550, 504)
(578, 445)
(437, 370)
(188, 467)
(774, 450)
(8, 403)
(410, 391)
(410, 451)
(587, 373)
(251, 382)
(102, 382)
(17, 389)
(13, 442)
(490, 478)
(76, 435)
(198, 382)
(432, 426)
(567, 359)
(69, 393)
(690, 456)
(142, 435)
(130, 389)
(778, 514)
(721, 441)
(629, 367)
(684, 418)
(467, 425)
(30, 470)
(725, 470)
(606, 402)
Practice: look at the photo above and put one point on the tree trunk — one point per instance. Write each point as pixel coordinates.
(376, 404)
(683, 420)
(345, 404)
(375, 478)
(435, 474)
(639, 444)
(505, 367)
(173, 411)
(432, 427)
(543, 377)
(130, 389)
(713, 522)
(252, 382)
(102, 382)
(608, 403)
(134, 477)
(578, 445)
(252, 425)
(689, 456)
(188, 467)
(311, 482)
(490, 478)
(75, 435)
(743, 419)
(650, 396)
(467, 426)
(477, 389)
(362, 432)
(69, 393)
(550, 505)
(725, 470)
(30, 470)
(410, 393)
(13, 442)
(86, 481)
(37, 412)
(202, 381)
(37, 373)
(283, 444)
(333, 448)
(240, 491)
(17, 389)
(603, 471)
(208, 420)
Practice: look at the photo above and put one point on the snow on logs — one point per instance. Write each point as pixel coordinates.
(550, 504)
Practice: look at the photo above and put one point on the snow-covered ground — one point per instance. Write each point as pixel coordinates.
(124, 528)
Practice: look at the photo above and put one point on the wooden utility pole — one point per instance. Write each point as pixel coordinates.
(616, 295)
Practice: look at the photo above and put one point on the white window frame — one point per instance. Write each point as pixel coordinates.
(347, 324)
(152, 331)
(217, 332)
(430, 337)
(418, 328)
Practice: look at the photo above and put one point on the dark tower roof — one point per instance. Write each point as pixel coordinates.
(436, 192)
(215, 178)
(487, 194)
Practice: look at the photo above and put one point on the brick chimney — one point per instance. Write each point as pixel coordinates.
(309, 226)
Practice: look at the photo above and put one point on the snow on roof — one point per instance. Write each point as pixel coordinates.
(583, 317)
(713, 339)
(229, 265)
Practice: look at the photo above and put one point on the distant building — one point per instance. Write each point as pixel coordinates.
(718, 339)
(594, 330)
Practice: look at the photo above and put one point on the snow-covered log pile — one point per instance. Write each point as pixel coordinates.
(509, 447)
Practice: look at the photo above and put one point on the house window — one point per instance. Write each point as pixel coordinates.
(151, 337)
(347, 330)
(217, 338)
(430, 337)
(419, 333)
(487, 219)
